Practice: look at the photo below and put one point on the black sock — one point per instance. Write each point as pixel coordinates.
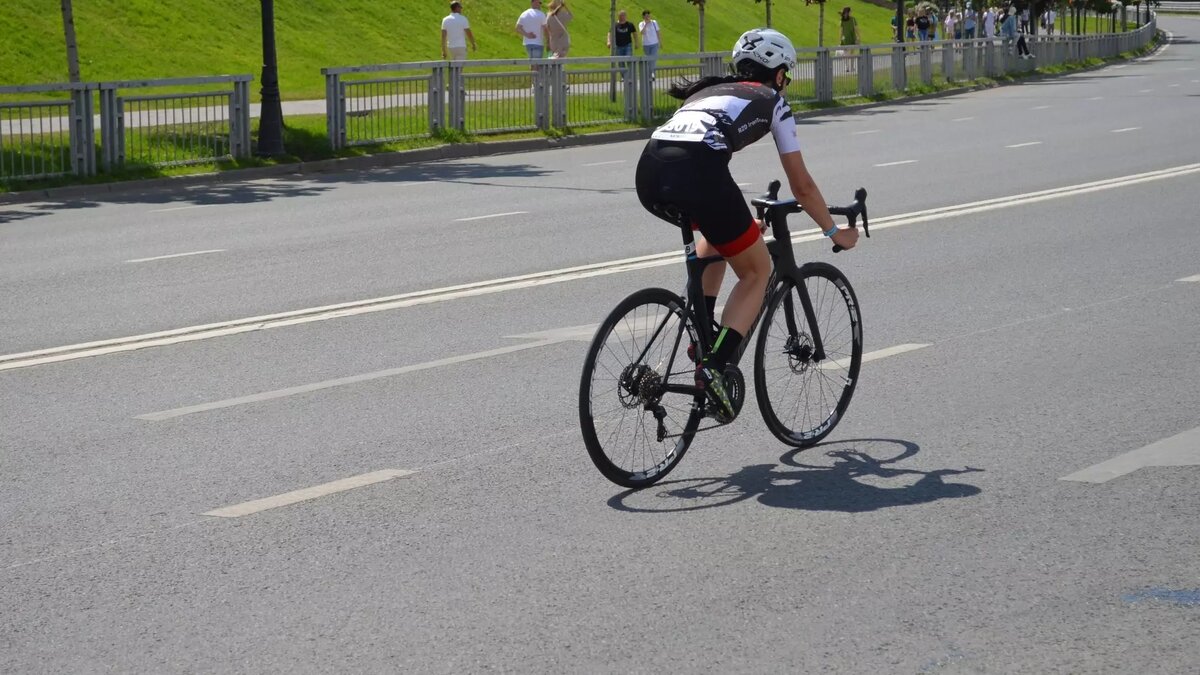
(728, 341)
(711, 302)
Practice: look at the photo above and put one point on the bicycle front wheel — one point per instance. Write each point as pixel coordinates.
(638, 404)
(803, 388)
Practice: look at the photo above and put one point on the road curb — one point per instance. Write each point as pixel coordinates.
(451, 151)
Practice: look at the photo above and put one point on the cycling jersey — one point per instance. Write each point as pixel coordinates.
(732, 115)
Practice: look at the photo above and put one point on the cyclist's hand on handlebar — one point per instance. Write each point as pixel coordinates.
(845, 237)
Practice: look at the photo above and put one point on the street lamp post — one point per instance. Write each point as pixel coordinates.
(270, 121)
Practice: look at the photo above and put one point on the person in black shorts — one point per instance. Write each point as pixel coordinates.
(685, 169)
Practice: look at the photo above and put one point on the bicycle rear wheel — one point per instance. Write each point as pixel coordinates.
(802, 398)
(638, 406)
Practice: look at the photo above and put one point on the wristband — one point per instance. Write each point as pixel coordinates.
(832, 231)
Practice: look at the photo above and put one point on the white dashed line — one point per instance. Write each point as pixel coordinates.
(869, 131)
(1096, 98)
(1023, 145)
(491, 215)
(1180, 450)
(182, 208)
(1145, 91)
(1039, 107)
(1191, 279)
(904, 161)
(175, 255)
(614, 161)
(962, 119)
(1172, 85)
(838, 364)
(1121, 131)
(287, 498)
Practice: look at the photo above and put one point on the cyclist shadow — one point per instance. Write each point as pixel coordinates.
(855, 482)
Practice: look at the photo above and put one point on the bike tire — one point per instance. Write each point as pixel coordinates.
(784, 370)
(617, 389)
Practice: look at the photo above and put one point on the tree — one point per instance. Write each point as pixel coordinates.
(820, 21)
(68, 16)
(700, 6)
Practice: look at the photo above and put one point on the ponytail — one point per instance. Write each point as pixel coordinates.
(743, 71)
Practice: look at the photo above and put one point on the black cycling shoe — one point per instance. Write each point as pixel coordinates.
(713, 383)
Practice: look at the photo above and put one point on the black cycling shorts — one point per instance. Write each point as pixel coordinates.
(695, 179)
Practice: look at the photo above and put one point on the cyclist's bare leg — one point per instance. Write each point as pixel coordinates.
(753, 269)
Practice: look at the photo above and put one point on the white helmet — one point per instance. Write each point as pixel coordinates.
(765, 46)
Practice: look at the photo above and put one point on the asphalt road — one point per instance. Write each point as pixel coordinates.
(1059, 302)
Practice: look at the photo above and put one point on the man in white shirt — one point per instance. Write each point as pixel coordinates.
(1049, 18)
(456, 30)
(651, 35)
(531, 26)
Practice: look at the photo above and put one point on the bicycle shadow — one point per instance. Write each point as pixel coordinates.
(855, 482)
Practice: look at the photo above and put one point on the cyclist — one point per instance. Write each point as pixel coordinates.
(684, 169)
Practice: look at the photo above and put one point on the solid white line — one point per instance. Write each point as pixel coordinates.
(1180, 450)
(1190, 279)
(615, 161)
(175, 255)
(326, 312)
(490, 215)
(287, 498)
(860, 133)
(341, 381)
(1121, 131)
(906, 161)
(183, 208)
(838, 364)
(962, 119)
(1024, 145)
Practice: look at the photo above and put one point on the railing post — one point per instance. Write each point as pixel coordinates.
(948, 60)
(899, 69)
(645, 75)
(971, 60)
(710, 65)
(926, 64)
(457, 95)
(989, 58)
(823, 71)
(108, 127)
(629, 85)
(436, 97)
(558, 77)
(866, 73)
(541, 96)
(335, 110)
(82, 134)
(239, 118)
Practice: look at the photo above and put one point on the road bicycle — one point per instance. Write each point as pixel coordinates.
(639, 404)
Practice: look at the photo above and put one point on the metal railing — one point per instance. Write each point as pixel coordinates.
(482, 97)
(40, 139)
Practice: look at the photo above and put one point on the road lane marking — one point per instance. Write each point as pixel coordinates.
(491, 215)
(1172, 85)
(343, 381)
(962, 119)
(1096, 98)
(307, 494)
(354, 308)
(183, 208)
(1023, 145)
(904, 161)
(176, 255)
(860, 133)
(1145, 91)
(1179, 450)
(614, 161)
(839, 364)
(1121, 131)
(1195, 278)
(1039, 107)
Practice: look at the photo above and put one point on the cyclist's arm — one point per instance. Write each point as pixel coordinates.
(805, 189)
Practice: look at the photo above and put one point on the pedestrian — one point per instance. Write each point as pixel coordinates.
(531, 26)
(456, 30)
(989, 23)
(1025, 20)
(910, 27)
(1008, 27)
(923, 25)
(1048, 21)
(849, 30)
(969, 24)
(651, 35)
(626, 36)
(558, 40)
(949, 30)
